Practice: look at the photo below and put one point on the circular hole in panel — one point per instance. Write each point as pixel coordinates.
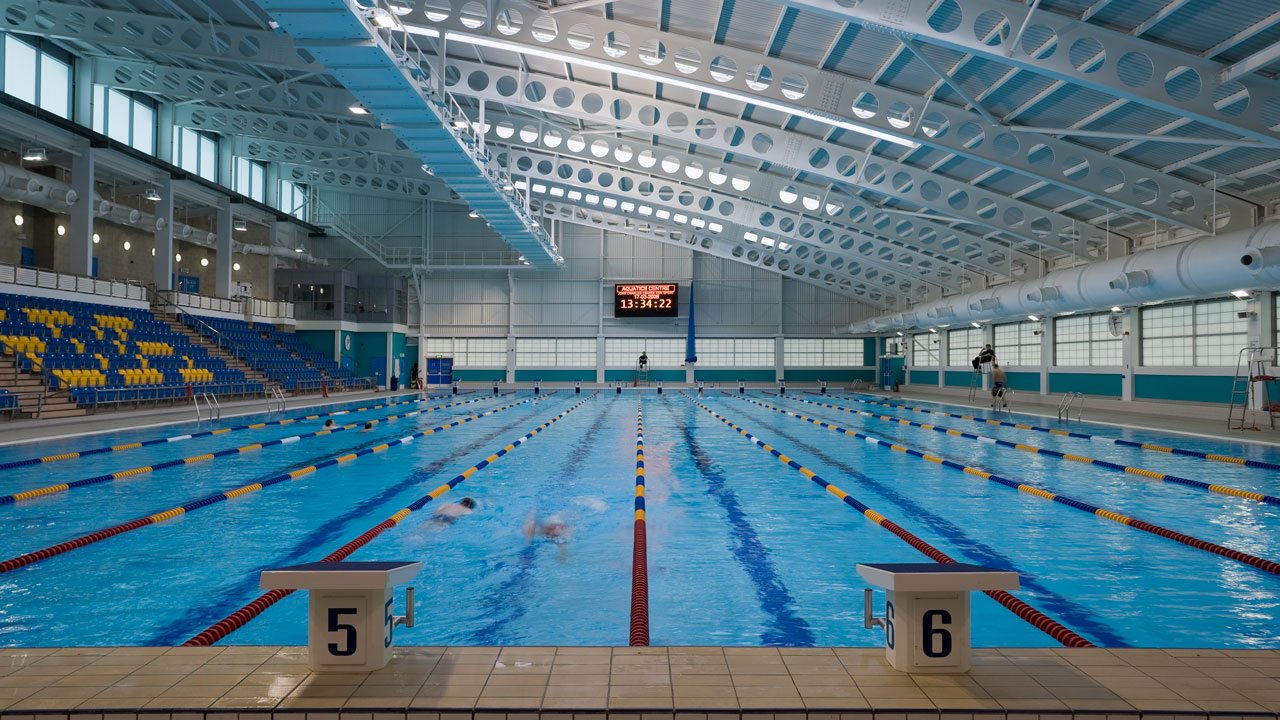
(740, 183)
(616, 44)
(725, 208)
(875, 174)
(723, 68)
(1040, 156)
(899, 115)
(623, 153)
(947, 17)
(1182, 84)
(788, 194)
(991, 28)
(935, 125)
(544, 167)
(478, 80)
(1181, 201)
(705, 128)
(1270, 112)
(1111, 180)
(694, 170)
(544, 28)
(552, 138)
(986, 208)
(652, 52)
(505, 129)
(533, 92)
(706, 203)
(903, 182)
(678, 121)
(604, 179)
(1005, 145)
(819, 158)
(452, 75)
(761, 142)
(528, 134)
(810, 201)
(599, 148)
(767, 219)
(649, 115)
(1146, 191)
(717, 176)
(509, 22)
(958, 199)
(1041, 227)
(665, 193)
(737, 251)
(580, 36)
(592, 103)
(1039, 41)
(1075, 167)
(759, 78)
(249, 46)
(865, 106)
(437, 10)
(734, 136)
(645, 188)
(685, 198)
(563, 97)
(971, 135)
(620, 109)
(1087, 55)
(1231, 98)
(625, 184)
(473, 15)
(687, 60)
(647, 158)
(585, 175)
(1134, 69)
(576, 143)
(847, 165)
(1013, 217)
(794, 86)
(670, 164)
(506, 86)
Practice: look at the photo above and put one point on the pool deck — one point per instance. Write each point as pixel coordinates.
(658, 683)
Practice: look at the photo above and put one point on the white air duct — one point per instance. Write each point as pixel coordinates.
(281, 252)
(1199, 268)
(24, 186)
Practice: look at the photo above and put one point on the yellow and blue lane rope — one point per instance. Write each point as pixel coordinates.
(639, 545)
(239, 618)
(38, 555)
(1117, 467)
(1253, 560)
(206, 433)
(146, 469)
(1084, 436)
(1043, 622)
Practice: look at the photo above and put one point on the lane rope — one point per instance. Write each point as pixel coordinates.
(239, 618)
(206, 433)
(1188, 540)
(1152, 474)
(147, 469)
(82, 541)
(1082, 436)
(1037, 619)
(639, 553)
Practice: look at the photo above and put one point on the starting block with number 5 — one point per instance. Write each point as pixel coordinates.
(926, 618)
(351, 610)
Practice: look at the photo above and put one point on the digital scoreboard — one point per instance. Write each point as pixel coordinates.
(662, 300)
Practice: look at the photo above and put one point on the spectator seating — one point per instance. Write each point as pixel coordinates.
(281, 356)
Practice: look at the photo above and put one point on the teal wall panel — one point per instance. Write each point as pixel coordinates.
(367, 347)
(1087, 383)
(484, 376)
(348, 350)
(1025, 381)
(831, 375)
(924, 377)
(733, 376)
(1194, 388)
(558, 375)
(869, 352)
(321, 340)
(959, 378)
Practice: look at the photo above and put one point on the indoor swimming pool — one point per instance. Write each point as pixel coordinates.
(159, 534)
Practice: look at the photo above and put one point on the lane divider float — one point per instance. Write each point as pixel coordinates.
(1163, 477)
(206, 433)
(1084, 436)
(639, 553)
(82, 541)
(146, 469)
(1188, 540)
(239, 618)
(1039, 620)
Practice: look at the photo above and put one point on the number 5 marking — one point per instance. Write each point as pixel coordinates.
(335, 615)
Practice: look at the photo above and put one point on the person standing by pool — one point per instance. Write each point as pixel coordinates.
(998, 380)
(644, 360)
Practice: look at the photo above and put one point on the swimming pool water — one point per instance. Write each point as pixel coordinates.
(743, 550)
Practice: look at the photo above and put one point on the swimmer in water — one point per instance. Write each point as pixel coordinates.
(552, 528)
(367, 427)
(329, 423)
(449, 513)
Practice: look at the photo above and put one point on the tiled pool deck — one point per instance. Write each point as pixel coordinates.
(678, 683)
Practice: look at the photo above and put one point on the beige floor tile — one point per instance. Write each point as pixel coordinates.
(695, 702)
(572, 703)
(306, 703)
(829, 691)
(702, 681)
(577, 691)
(378, 702)
(443, 702)
(637, 678)
(654, 703)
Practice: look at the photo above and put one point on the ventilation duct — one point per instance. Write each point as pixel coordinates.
(986, 304)
(1199, 268)
(19, 184)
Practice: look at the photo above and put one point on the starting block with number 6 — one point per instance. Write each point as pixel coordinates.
(351, 610)
(926, 618)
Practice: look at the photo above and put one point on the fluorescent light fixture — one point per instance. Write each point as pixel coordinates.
(299, 249)
(933, 330)
(1114, 308)
(240, 225)
(976, 324)
(1242, 294)
(473, 214)
(35, 154)
(519, 48)
(1068, 312)
(1034, 318)
(358, 109)
(900, 334)
(152, 195)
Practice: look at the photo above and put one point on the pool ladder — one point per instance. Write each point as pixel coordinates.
(1068, 401)
(211, 404)
(275, 400)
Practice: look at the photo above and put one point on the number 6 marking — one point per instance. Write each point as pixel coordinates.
(944, 636)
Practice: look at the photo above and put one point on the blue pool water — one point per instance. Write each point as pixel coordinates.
(743, 550)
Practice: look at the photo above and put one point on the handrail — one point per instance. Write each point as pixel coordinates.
(221, 342)
(16, 408)
(1068, 400)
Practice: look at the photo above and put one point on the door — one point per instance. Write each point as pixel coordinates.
(379, 370)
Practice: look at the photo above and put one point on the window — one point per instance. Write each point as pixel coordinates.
(555, 352)
(38, 73)
(822, 352)
(963, 345)
(736, 352)
(251, 179)
(126, 117)
(625, 352)
(196, 152)
(1018, 343)
(1086, 340)
(470, 352)
(292, 199)
(924, 350)
(1202, 334)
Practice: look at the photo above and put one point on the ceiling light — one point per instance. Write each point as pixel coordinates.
(508, 187)
(153, 252)
(382, 18)
(933, 330)
(1034, 318)
(459, 124)
(473, 214)
(96, 239)
(18, 220)
(1070, 312)
(900, 334)
(177, 257)
(204, 262)
(299, 249)
(240, 225)
(1114, 308)
(822, 117)
(35, 154)
(152, 195)
(62, 229)
(1242, 294)
(235, 266)
(127, 245)
(975, 324)
(358, 109)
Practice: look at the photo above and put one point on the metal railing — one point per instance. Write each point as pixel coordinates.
(203, 328)
(16, 406)
(275, 400)
(237, 306)
(1068, 401)
(50, 280)
(211, 404)
(137, 396)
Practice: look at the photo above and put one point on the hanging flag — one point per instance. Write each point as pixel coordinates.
(690, 343)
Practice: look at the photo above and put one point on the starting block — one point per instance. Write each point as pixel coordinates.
(351, 618)
(926, 611)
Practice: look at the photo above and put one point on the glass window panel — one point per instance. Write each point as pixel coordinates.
(189, 154)
(55, 85)
(144, 127)
(119, 120)
(19, 69)
(99, 108)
